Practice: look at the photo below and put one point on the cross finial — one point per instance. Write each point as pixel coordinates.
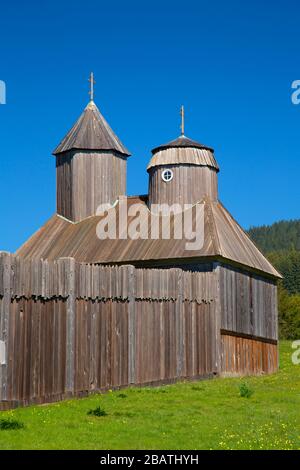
(92, 82)
(182, 120)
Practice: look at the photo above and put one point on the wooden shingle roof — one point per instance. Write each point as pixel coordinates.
(91, 132)
(183, 156)
(224, 240)
(182, 141)
(183, 151)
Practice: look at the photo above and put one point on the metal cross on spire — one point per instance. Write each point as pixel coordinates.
(182, 120)
(92, 82)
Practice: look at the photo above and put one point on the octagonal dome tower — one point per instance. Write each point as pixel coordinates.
(182, 171)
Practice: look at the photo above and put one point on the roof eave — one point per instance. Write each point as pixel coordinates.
(57, 152)
(166, 146)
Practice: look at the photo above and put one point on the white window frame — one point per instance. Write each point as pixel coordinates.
(163, 177)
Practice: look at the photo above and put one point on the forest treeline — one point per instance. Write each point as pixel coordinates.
(284, 235)
(280, 242)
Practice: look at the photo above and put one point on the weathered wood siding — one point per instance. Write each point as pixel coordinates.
(86, 180)
(36, 350)
(249, 318)
(247, 356)
(248, 303)
(70, 329)
(183, 344)
(101, 345)
(189, 185)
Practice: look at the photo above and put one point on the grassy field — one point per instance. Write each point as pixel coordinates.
(196, 415)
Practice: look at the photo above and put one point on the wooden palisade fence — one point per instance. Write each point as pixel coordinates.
(67, 329)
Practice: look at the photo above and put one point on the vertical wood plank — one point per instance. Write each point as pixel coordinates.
(5, 302)
(179, 312)
(131, 326)
(217, 323)
(70, 266)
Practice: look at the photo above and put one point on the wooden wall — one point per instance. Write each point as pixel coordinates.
(189, 185)
(248, 303)
(247, 356)
(71, 329)
(36, 350)
(87, 179)
(249, 319)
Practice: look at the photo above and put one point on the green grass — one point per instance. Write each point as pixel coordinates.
(209, 414)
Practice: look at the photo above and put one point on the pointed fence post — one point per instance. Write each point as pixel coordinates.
(5, 301)
(69, 270)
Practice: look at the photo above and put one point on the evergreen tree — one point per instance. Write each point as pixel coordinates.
(280, 243)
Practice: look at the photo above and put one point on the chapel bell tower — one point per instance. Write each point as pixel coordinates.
(182, 171)
(90, 165)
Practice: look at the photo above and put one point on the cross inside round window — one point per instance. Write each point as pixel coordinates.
(167, 175)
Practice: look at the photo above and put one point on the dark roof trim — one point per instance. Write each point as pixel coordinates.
(182, 141)
(81, 150)
(173, 262)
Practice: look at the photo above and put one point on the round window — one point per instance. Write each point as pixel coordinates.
(167, 175)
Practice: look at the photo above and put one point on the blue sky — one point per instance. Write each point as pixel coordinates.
(230, 63)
